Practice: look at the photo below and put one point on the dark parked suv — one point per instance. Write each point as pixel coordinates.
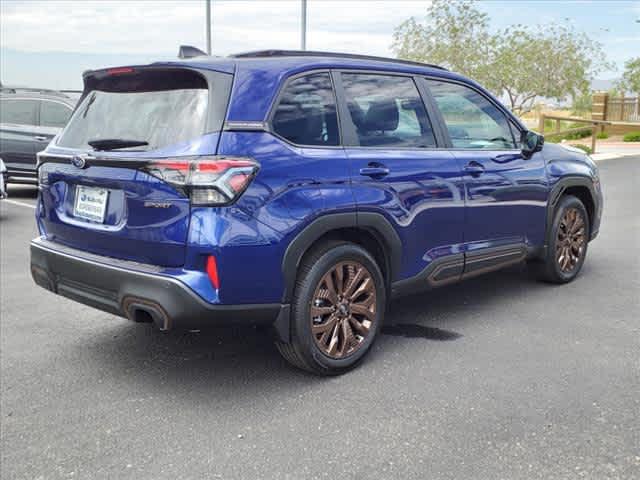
(298, 189)
(29, 119)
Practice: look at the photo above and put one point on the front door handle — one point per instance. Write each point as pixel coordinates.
(374, 170)
(473, 168)
(41, 138)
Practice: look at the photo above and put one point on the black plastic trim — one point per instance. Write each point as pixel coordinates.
(490, 259)
(375, 223)
(439, 272)
(460, 266)
(114, 289)
(558, 190)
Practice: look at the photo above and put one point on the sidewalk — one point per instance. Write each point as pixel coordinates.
(607, 150)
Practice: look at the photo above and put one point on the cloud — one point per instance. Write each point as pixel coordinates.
(158, 27)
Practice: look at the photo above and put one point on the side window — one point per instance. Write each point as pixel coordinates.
(18, 111)
(387, 111)
(306, 113)
(54, 114)
(472, 121)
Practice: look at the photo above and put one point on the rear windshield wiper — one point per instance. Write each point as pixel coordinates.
(115, 143)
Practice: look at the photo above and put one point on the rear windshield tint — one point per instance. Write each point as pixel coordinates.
(159, 107)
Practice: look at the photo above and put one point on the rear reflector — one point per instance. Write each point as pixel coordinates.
(207, 180)
(212, 271)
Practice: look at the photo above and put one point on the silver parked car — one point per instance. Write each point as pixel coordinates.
(3, 180)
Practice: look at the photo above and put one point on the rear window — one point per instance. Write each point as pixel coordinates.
(159, 107)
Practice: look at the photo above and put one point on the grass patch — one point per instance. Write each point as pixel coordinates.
(602, 135)
(632, 137)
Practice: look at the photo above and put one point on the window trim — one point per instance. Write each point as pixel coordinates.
(37, 100)
(268, 124)
(350, 136)
(511, 120)
(42, 101)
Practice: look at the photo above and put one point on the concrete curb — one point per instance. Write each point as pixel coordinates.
(599, 157)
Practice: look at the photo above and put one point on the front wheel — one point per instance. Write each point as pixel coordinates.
(337, 309)
(567, 242)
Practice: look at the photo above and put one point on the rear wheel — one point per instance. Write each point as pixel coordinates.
(337, 309)
(567, 242)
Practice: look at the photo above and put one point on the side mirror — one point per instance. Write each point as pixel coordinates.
(532, 142)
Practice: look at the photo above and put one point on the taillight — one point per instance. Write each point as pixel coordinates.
(207, 180)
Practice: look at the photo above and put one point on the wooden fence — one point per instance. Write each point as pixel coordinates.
(616, 109)
(623, 109)
(592, 125)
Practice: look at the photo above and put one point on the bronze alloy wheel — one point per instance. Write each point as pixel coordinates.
(571, 241)
(343, 309)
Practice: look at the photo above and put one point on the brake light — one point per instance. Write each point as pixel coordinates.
(207, 180)
(119, 70)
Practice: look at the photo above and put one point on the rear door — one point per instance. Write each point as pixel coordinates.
(18, 132)
(399, 171)
(506, 193)
(100, 199)
(54, 115)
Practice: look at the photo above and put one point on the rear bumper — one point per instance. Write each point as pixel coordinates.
(127, 289)
(26, 177)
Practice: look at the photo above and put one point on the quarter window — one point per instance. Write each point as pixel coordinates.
(387, 111)
(17, 111)
(306, 113)
(473, 121)
(54, 114)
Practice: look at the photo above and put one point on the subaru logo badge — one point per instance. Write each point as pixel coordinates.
(78, 161)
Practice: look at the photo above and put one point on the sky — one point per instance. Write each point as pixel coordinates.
(49, 43)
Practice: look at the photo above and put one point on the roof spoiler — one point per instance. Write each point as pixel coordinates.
(187, 51)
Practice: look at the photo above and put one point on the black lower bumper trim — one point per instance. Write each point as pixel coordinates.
(123, 291)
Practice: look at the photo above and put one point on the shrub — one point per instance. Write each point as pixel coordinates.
(602, 135)
(578, 135)
(632, 137)
(584, 148)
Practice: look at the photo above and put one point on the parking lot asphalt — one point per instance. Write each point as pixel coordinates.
(499, 377)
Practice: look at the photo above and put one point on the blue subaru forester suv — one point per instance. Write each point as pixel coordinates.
(301, 190)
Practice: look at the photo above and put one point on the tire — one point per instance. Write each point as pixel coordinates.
(564, 255)
(345, 325)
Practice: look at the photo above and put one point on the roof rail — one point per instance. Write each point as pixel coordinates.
(47, 91)
(311, 53)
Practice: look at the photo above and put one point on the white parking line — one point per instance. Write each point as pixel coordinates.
(14, 202)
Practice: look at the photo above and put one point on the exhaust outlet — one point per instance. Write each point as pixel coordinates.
(141, 310)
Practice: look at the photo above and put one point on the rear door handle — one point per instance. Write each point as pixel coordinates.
(374, 171)
(41, 138)
(473, 168)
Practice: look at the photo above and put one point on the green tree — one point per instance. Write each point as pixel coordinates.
(582, 104)
(520, 63)
(631, 77)
(456, 36)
